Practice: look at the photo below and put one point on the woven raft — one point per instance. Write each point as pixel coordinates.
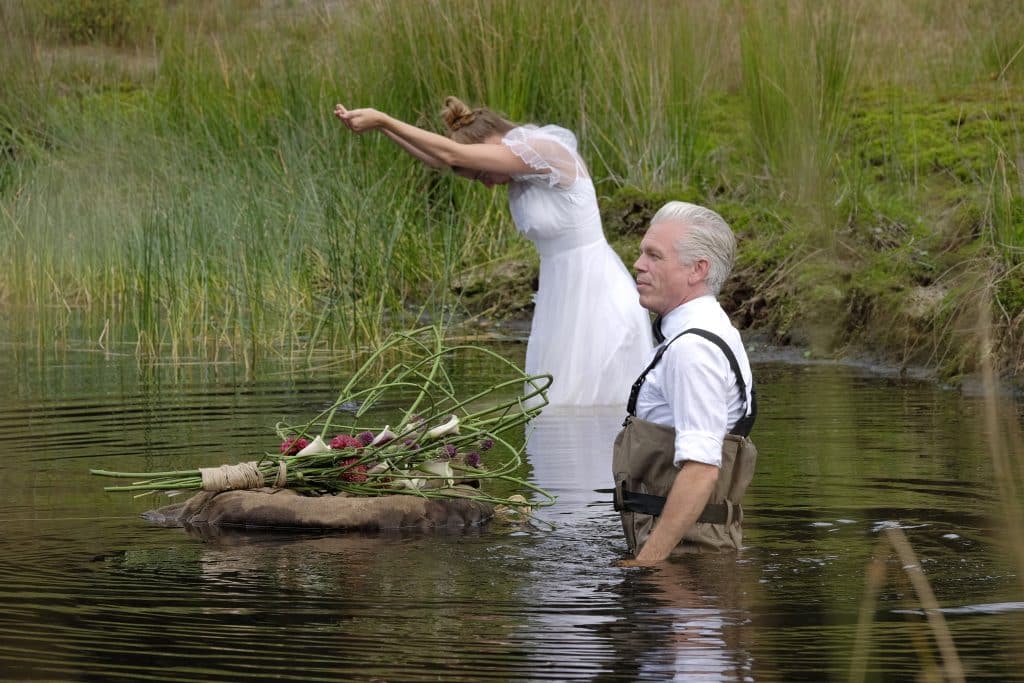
(282, 508)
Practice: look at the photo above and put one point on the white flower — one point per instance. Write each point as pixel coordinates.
(379, 468)
(439, 468)
(315, 447)
(414, 483)
(414, 426)
(449, 427)
(385, 435)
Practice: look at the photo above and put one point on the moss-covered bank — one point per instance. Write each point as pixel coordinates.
(904, 279)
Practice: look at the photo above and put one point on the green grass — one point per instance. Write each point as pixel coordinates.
(173, 183)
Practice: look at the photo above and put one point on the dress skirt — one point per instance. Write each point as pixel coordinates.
(588, 331)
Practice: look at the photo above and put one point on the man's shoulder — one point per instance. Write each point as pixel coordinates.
(707, 334)
(691, 348)
(703, 345)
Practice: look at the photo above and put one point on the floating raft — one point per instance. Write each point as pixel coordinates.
(282, 508)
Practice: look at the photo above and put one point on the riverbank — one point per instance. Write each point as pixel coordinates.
(173, 182)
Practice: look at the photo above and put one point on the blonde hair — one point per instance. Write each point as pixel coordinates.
(467, 125)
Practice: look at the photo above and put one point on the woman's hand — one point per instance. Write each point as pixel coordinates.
(362, 120)
(359, 120)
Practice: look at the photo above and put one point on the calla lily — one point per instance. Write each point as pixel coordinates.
(315, 447)
(385, 435)
(413, 426)
(449, 427)
(439, 468)
(410, 483)
(379, 468)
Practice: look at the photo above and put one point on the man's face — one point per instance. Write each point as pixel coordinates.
(662, 282)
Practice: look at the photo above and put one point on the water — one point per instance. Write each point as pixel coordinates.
(90, 592)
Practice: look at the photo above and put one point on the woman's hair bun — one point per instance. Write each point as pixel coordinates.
(456, 114)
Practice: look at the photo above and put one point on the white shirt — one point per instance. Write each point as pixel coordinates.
(692, 388)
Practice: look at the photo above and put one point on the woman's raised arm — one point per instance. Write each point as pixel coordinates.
(412, 150)
(424, 144)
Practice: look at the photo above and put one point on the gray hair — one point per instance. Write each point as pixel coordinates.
(708, 237)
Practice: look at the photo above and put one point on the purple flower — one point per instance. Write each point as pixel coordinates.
(365, 437)
(450, 450)
(487, 444)
(473, 459)
(410, 444)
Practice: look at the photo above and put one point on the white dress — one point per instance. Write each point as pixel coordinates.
(589, 330)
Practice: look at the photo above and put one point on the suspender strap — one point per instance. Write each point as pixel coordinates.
(745, 423)
(635, 389)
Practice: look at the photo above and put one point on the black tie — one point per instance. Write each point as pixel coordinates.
(656, 329)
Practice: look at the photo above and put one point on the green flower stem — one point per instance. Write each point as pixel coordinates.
(146, 475)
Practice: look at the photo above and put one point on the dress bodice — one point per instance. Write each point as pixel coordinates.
(555, 208)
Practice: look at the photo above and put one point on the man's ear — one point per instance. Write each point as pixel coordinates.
(700, 271)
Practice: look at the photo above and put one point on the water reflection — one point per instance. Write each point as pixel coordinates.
(570, 450)
(684, 621)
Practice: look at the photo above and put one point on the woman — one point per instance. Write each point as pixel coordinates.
(588, 331)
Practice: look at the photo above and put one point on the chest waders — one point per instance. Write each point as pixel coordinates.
(642, 464)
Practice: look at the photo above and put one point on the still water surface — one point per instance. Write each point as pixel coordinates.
(90, 592)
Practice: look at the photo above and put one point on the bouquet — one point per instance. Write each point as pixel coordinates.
(440, 440)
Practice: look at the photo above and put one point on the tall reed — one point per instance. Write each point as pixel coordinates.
(796, 66)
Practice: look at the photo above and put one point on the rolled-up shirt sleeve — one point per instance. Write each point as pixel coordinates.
(698, 395)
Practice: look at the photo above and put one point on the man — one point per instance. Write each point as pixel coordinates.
(683, 460)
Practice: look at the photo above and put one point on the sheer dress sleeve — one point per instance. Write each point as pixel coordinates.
(550, 151)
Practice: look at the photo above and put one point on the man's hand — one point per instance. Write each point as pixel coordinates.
(634, 562)
(694, 484)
